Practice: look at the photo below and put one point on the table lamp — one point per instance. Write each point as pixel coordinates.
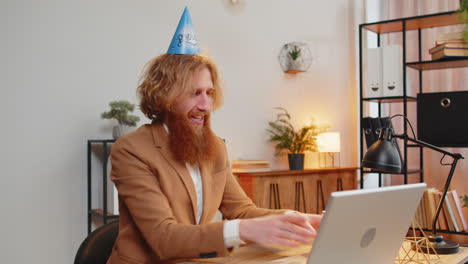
(329, 144)
(384, 157)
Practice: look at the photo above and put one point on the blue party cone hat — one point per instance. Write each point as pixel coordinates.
(184, 40)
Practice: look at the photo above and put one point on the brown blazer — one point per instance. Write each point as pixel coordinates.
(157, 201)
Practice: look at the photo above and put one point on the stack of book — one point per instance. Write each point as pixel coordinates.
(250, 166)
(451, 216)
(449, 45)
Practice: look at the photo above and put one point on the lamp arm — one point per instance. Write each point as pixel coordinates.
(455, 156)
(427, 145)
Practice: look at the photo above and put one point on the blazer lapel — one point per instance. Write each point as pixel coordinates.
(207, 179)
(161, 140)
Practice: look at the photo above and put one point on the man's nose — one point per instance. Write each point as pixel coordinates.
(205, 103)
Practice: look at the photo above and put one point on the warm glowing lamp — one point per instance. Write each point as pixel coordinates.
(329, 144)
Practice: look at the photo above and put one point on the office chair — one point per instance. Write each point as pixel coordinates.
(97, 246)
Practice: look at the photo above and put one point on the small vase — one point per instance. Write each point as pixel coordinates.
(296, 161)
(121, 130)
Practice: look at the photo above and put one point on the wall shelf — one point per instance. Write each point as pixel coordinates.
(413, 23)
(439, 64)
(390, 99)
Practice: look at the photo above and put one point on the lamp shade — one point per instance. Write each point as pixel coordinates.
(383, 154)
(328, 142)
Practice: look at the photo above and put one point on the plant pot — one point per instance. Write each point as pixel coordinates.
(295, 65)
(121, 130)
(296, 161)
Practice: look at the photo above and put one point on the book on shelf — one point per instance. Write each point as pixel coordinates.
(451, 217)
(249, 162)
(420, 217)
(239, 170)
(450, 53)
(250, 166)
(451, 214)
(451, 45)
(446, 223)
(462, 222)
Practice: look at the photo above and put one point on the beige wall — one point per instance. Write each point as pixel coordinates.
(65, 60)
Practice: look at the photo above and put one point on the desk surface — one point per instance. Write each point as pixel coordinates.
(253, 254)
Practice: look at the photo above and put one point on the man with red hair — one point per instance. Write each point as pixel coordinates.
(174, 174)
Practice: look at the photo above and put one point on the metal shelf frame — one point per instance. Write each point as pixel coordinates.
(105, 144)
(403, 25)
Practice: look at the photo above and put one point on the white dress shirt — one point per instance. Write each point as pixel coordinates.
(231, 228)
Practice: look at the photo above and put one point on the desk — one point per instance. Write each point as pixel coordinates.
(254, 254)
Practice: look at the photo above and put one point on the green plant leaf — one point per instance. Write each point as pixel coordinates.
(295, 53)
(120, 112)
(284, 135)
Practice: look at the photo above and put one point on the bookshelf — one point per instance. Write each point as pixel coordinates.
(403, 25)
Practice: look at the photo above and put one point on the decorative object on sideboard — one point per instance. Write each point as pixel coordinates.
(120, 112)
(249, 165)
(295, 142)
(295, 57)
(329, 147)
(383, 156)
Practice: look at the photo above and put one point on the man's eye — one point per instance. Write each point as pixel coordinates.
(210, 93)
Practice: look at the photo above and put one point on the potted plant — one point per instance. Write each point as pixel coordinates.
(295, 142)
(120, 112)
(294, 54)
(464, 17)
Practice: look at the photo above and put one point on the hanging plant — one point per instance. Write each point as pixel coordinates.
(295, 57)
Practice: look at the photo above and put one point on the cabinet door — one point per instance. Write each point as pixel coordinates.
(274, 192)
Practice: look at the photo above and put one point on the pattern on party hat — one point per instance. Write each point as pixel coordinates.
(184, 40)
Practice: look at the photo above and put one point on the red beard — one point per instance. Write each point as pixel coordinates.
(189, 143)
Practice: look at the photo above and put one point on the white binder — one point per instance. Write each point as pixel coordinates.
(392, 67)
(374, 73)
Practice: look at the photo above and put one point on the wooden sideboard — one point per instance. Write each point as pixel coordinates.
(305, 190)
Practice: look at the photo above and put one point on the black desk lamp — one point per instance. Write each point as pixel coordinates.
(383, 156)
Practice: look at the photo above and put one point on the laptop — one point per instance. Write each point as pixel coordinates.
(366, 226)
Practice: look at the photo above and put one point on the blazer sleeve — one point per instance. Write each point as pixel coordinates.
(235, 203)
(140, 192)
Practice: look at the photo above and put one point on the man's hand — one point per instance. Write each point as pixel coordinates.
(286, 230)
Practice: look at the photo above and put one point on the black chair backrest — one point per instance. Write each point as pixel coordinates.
(97, 246)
